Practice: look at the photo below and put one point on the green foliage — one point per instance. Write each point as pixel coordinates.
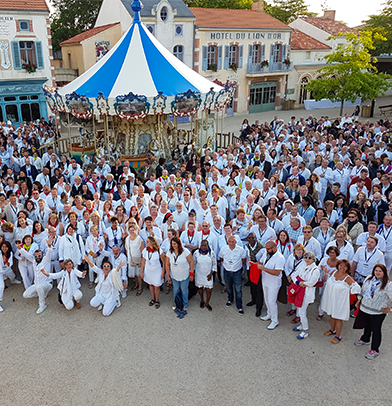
(349, 72)
(381, 24)
(233, 4)
(72, 17)
(288, 10)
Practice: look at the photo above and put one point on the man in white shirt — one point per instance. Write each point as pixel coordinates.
(271, 266)
(365, 259)
(180, 216)
(126, 203)
(356, 188)
(385, 230)
(263, 232)
(372, 232)
(44, 178)
(232, 257)
(273, 221)
(324, 172)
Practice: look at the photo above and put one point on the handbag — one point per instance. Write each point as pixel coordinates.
(319, 284)
(296, 294)
(282, 294)
(136, 261)
(360, 320)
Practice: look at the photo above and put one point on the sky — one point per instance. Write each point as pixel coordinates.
(352, 12)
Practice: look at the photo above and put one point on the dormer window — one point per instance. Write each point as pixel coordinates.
(164, 13)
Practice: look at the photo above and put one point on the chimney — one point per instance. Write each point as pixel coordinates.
(329, 14)
(258, 5)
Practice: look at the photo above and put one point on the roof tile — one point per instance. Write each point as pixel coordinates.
(226, 18)
(31, 5)
(301, 41)
(328, 25)
(87, 34)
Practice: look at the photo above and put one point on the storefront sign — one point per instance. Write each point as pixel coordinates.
(244, 35)
(5, 25)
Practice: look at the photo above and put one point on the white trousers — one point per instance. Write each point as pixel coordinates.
(270, 298)
(7, 274)
(41, 290)
(108, 305)
(68, 301)
(26, 270)
(301, 313)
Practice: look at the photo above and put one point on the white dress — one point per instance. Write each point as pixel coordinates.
(204, 264)
(152, 268)
(133, 251)
(336, 297)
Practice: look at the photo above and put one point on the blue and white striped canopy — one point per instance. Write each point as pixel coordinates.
(140, 64)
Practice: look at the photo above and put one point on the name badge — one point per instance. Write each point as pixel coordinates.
(230, 262)
(174, 265)
(365, 265)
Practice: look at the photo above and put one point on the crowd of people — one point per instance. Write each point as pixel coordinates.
(292, 211)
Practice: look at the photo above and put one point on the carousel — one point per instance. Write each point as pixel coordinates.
(128, 103)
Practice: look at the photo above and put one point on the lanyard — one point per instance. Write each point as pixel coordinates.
(218, 231)
(262, 235)
(191, 239)
(324, 236)
(366, 259)
(383, 232)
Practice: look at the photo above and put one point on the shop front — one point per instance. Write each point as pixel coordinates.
(262, 96)
(22, 101)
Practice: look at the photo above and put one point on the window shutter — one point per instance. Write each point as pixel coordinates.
(16, 55)
(262, 53)
(240, 55)
(204, 62)
(219, 57)
(39, 54)
(272, 54)
(250, 55)
(226, 57)
(283, 52)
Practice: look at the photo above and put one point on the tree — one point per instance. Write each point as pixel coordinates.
(288, 10)
(233, 4)
(350, 72)
(72, 17)
(381, 24)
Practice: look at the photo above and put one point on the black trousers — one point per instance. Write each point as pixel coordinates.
(256, 292)
(373, 323)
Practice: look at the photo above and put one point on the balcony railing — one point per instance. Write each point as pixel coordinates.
(273, 67)
(280, 67)
(256, 68)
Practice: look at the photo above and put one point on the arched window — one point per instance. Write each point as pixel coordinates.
(178, 51)
(303, 93)
(164, 13)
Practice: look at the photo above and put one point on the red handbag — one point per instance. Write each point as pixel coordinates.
(254, 273)
(296, 294)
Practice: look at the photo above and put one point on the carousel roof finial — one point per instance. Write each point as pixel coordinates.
(136, 6)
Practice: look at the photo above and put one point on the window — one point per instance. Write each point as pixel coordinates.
(178, 52)
(233, 55)
(307, 55)
(27, 52)
(1, 114)
(179, 30)
(164, 13)
(277, 55)
(303, 93)
(151, 28)
(11, 111)
(23, 97)
(212, 55)
(30, 112)
(256, 54)
(24, 25)
(10, 98)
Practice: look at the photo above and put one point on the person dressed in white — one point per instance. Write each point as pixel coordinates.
(309, 242)
(93, 247)
(134, 246)
(71, 247)
(385, 230)
(6, 262)
(306, 276)
(325, 174)
(69, 285)
(42, 284)
(336, 298)
(205, 265)
(365, 259)
(109, 285)
(26, 262)
(271, 265)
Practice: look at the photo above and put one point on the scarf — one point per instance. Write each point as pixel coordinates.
(204, 252)
(369, 294)
(149, 249)
(26, 247)
(351, 224)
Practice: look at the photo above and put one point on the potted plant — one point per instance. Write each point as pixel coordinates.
(287, 62)
(234, 67)
(264, 64)
(29, 67)
(213, 67)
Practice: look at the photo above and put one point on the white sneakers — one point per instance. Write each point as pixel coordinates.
(302, 335)
(1, 309)
(118, 303)
(100, 307)
(41, 309)
(359, 342)
(16, 282)
(124, 294)
(265, 318)
(272, 326)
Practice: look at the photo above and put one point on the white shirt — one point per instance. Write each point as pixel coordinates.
(232, 259)
(276, 261)
(367, 260)
(381, 245)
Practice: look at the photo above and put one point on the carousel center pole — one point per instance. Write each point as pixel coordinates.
(69, 135)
